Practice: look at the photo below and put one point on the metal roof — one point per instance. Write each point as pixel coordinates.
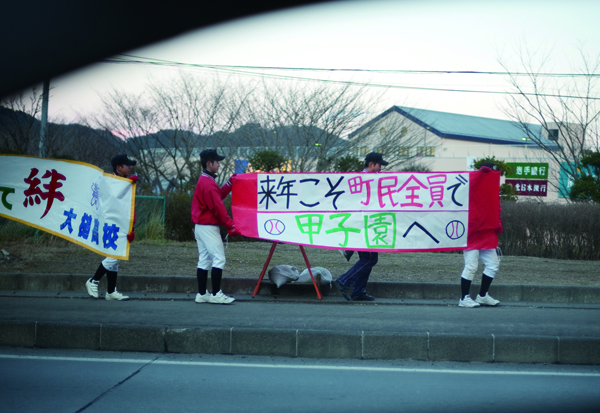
(465, 127)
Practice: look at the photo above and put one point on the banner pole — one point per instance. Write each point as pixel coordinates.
(262, 274)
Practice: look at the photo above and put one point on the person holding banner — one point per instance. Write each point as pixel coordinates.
(208, 212)
(110, 266)
(489, 257)
(359, 274)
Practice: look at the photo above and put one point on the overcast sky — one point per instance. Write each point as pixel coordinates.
(372, 35)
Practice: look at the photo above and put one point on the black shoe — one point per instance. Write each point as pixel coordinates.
(343, 290)
(347, 254)
(364, 297)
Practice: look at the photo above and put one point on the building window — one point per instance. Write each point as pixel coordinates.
(425, 150)
(385, 151)
(553, 134)
(360, 151)
(404, 151)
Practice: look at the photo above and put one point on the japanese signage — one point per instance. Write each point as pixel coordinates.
(528, 170)
(361, 211)
(72, 200)
(529, 187)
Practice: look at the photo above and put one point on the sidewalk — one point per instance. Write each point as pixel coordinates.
(533, 324)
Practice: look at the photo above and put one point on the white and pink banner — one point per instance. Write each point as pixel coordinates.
(386, 212)
(73, 200)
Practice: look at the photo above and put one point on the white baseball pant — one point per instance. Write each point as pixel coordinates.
(211, 252)
(489, 259)
(111, 264)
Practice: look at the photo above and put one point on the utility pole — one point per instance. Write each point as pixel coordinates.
(44, 125)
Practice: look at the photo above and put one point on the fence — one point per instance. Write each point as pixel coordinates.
(150, 222)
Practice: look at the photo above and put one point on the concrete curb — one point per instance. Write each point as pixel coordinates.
(245, 286)
(302, 343)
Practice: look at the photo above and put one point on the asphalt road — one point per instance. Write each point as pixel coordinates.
(87, 381)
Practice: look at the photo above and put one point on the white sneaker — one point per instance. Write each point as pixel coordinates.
(92, 288)
(487, 300)
(203, 298)
(116, 296)
(467, 302)
(220, 298)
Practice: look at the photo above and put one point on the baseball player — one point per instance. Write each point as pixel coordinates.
(489, 257)
(208, 212)
(122, 166)
(359, 274)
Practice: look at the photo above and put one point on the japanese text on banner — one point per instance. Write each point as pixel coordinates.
(365, 211)
(72, 200)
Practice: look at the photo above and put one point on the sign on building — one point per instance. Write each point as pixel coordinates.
(528, 178)
(528, 170)
(529, 187)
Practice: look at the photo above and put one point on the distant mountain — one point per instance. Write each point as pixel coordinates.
(248, 135)
(20, 134)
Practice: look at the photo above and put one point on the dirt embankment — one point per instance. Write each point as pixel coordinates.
(246, 259)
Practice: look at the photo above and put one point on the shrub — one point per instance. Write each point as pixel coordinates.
(178, 219)
(152, 228)
(570, 231)
(347, 163)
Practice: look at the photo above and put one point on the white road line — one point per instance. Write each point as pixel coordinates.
(305, 367)
(100, 360)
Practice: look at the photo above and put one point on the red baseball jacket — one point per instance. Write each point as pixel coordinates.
(207, 204)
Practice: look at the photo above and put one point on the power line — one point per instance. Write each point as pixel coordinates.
(238, 70)
(147, 60)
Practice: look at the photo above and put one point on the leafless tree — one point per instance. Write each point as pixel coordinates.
(169, 124)
(20, 132)
(403, 143)
(19, 128)
(308, 123)
(566, 107)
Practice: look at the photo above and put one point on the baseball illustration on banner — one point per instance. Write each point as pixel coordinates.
(274, 227)
(455, 229)
(387, 212)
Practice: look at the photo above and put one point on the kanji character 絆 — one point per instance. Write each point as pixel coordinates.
(35, 195)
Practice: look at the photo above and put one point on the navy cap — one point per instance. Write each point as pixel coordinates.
(122, 160)
(211, 155)
(375, 158)
(490, 165)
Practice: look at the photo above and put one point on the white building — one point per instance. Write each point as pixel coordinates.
(451, 142)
